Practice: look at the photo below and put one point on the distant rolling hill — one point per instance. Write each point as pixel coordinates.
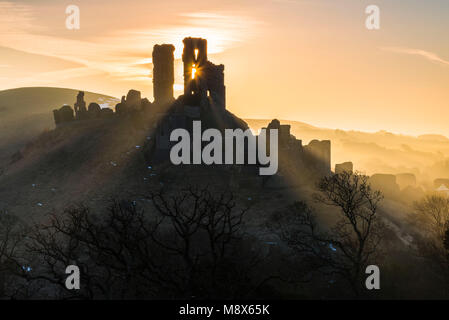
(26, 112)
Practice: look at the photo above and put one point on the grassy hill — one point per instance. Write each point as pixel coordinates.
(26, 112)
(94, 160)
(82, 160)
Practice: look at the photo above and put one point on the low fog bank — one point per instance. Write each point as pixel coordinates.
(425, 156)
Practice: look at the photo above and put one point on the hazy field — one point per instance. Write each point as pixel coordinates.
(380, 152)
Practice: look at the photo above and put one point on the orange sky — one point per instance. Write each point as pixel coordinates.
(305, 60)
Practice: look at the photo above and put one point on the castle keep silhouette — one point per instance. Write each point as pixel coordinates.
(204, 99)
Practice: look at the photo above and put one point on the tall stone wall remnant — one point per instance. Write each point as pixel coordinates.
(80, 106)
(163, 73)
(203, 80)
(216, 90)
(194, 58)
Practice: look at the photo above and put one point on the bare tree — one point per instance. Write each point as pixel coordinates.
(347, 247)
(191, 245)
(208, 237)
(114, 252)
(432, 214)
(12, 235)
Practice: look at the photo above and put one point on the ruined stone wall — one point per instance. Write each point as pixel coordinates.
(133, 100)
(284, 135)
(215, 85)
(385, 183)
(194, 57)
(163, 73)
(80, 106)
(94, 110)
(319, 154)
(313, 158)
(131, 103)
(64, 114)
(344, 167)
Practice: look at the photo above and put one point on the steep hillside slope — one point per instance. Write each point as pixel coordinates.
(81, 161)
(26, 112)
(92, 161)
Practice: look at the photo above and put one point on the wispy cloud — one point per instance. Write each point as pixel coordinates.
(433, 57)
(16, 18)
(123, 53)
(301, 2)
(222, 30)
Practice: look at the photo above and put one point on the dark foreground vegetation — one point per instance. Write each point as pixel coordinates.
(199, 244)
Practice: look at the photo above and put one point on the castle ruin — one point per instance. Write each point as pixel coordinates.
(204, 99)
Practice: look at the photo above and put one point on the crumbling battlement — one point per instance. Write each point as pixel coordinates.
(129, 104)
(316, 156)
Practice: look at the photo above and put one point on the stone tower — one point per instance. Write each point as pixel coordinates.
(163, 73)
(195, 61)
